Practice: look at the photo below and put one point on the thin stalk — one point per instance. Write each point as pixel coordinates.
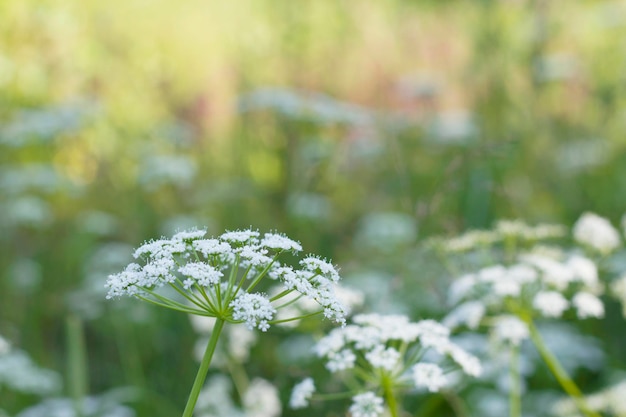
(76, 364)
(559, 373)
(515, 393)
(204, 368)
(390, 396)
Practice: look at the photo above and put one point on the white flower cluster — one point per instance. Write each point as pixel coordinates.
(539, 281)
(545, 282)
(217, 276)
(597, 233)
(389, 346)
(260, 399)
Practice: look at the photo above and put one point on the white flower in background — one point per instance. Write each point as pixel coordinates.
(428, 375)
(367, 404)
(550, 303)
(220, 277)
(392, 346)
(215, 398)
(302, 393)
(261, 399)
(588, 305)
(584, 270)
(341, 360)
(596, 232)
(469, 314)
(19, 373)
(379, 357)
(510, 329)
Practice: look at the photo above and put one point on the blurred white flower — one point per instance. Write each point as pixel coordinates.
(428, 375)
(596, 232)
(366, 404)
(469, 314)
(261, 399)
(302, 393)
(550, 303)
(510, 329)
(588, 305)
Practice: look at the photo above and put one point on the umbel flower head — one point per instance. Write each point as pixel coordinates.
(383, 355)
(220, 277)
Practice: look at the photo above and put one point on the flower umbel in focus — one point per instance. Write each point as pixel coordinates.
(217, 277)
(382, 356)
(224, 278)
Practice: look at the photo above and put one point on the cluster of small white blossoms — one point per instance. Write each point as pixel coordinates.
(596, 232)
(217, 276)
(388, 346)
(537, 283)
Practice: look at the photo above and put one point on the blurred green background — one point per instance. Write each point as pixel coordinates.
(340, 123)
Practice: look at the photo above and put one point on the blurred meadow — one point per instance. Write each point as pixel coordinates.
(361, 129)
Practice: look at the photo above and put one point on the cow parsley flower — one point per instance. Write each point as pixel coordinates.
(510, 329)
(428, 375)
(387, 353)
(550, 303)
(224, 278)
(367, 404)
(597, 233)
(588, 305)
(302, 393)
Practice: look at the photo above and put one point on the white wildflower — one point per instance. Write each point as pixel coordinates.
(240, 237)
(588, 305)
(510, 329)
(254, 309)
(321, 267)
(469, 314)
(461, 287)
(125, 282)
(550, 303)
(280, 242)
(428, 375)
(584, 270)
(302, 393)
(189, 235)
(212, 247)
(366, 404)
(383, 358)
(162, 248)
(261, 399)
(340, 361)
(596, 232)
(204, 274)
(433, 334)
(469, 363)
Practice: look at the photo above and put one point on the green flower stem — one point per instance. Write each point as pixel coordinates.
(515, 394)
(204, 368)
(77, 363)
(559, 373)
(390, 396)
